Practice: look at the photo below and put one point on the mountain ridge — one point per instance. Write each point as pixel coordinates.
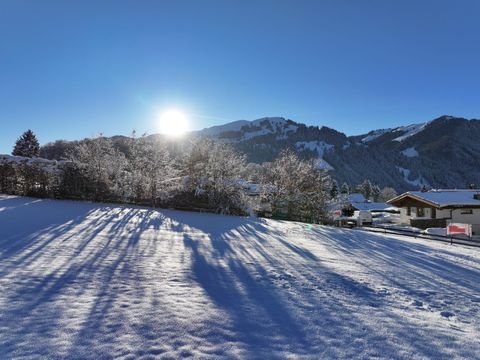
(439, 153)
(442, 152)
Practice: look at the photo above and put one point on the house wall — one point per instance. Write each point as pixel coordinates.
(473, 219)
(454, 215)
(405, 218)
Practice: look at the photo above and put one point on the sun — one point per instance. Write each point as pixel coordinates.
(173, 123)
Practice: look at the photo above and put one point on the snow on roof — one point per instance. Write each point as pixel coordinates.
(370, 206)
(444, 198)
(356, 197)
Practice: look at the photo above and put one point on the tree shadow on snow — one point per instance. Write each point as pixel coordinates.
(115, 275)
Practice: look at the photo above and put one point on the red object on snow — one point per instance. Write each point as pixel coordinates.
(456, 229)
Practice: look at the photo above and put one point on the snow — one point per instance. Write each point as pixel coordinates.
(89, 281)
(410, 152)
(409, 131)
(278, 124)
(320, 147)
(372, 135)
(50, 166)
(371, 206)
(419, 181)
(445, 198)
(356, 197)
(217, 130)
(321, 163)
(27, 160)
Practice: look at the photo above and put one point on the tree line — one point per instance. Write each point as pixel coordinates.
(195, 174)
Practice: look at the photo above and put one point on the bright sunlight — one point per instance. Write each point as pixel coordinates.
(173, 123)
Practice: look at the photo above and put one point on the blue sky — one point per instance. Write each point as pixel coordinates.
(69, 70)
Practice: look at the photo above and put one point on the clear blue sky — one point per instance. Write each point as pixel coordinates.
(71, 69)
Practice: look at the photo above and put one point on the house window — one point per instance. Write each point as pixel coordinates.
(409, 211)
(420, 212)
(466, 211)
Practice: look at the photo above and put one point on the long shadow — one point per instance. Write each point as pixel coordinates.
(411, 259)
(29, 219)
(278, 296)
(420, 261)
(84, 266)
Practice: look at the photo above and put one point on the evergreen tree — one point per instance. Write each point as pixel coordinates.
(334, 189)
(375, 192)
(27, 145)
(345, 189)
(366, 189)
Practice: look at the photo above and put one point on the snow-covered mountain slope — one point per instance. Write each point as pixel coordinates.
(91, 281)
(442, 153)
(219, 129)
(242, 130)
(263, 139)
(408, 131)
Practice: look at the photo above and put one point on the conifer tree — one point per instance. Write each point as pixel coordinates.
(345, 189)
(334, 189)
(27, 145)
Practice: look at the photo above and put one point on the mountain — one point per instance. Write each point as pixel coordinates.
(442, 153)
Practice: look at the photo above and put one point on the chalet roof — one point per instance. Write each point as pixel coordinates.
(442, 198)
(356, 197)
(371, 206)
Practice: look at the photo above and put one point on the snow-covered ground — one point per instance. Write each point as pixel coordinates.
(90, 281)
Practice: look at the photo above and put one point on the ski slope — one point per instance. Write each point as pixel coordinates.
(98, 281)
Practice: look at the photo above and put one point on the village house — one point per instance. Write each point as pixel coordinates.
(437, 208)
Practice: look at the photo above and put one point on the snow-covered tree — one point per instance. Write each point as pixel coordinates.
(386, 194)
(253, 173)
(26, 145)
(159, 177)
(102, 168)
(345, 189)
(296, 188)
(212, 171)
(366, 189)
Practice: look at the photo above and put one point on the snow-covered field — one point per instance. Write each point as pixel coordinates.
(90, 281)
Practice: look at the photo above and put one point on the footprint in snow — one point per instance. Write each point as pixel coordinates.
(447, 314)
(417, 304)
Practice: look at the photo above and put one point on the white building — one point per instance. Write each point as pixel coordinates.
(437, 208)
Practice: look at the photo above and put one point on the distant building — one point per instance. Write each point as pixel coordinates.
(358, 202)
(436, 208)
(352, 207)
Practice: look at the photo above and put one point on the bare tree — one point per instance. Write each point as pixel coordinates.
(213, 170)
(296, 188)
